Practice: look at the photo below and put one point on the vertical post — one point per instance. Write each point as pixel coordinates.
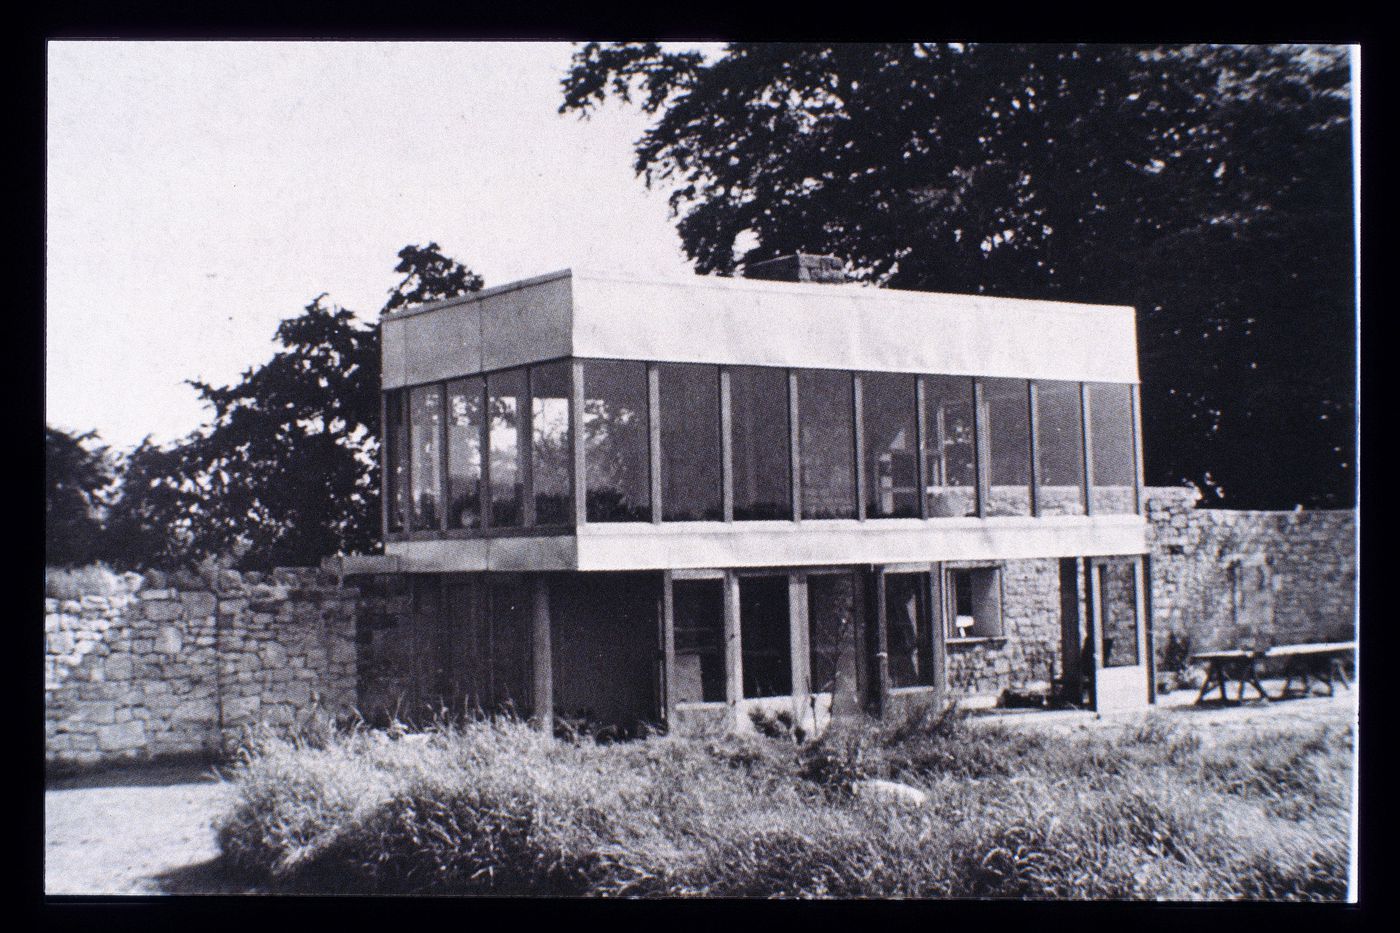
(1034, 425)
(938, 630)
(578, 475)
(921, 443)
(444, 487)
(525, 441)
(882, 645)
(668, 646)
(797, 644)
(733, 648)
(983, 442)
(1144, 581)
(794, 446)
(858, 408)
(1084, 404)
(726, 447)
(1135, 400)
(1095, 613)
(387, 460)
(487, 495)
(543, 666)
(654, 437)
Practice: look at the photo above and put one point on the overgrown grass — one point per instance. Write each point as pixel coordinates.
(492, 807)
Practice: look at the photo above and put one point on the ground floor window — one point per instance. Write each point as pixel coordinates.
(1117, 594)
(699, 638)
(908, 632)
(833, 604)
(765, 636)
(973, 602)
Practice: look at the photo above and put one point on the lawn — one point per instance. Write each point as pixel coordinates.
(1156, 807)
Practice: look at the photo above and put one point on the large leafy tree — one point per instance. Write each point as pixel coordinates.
(287, 471)
(1208, 186)
(78, 480)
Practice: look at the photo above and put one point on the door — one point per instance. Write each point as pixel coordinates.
(1120, 634)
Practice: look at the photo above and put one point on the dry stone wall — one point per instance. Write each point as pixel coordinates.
(1028, 653)
(152, 669)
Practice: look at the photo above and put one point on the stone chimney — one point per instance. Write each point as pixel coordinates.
(798, 267)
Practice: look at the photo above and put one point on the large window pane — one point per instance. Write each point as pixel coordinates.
(907, 632)
(395, 459)
(1114, 483)
(464, 412)
(549, 421)
(506, 402)
(699, 634)
(889, 418)
(509, 628)
(616, 441)
(832, 605)
(690, 445)
(764, 636)
(1007, 414)
(827, 418)
(762, 444)
(1059, 426)
(951, 441)
(425, 467)
(1118, 613)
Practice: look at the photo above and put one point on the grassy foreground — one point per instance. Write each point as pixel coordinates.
(494, 808)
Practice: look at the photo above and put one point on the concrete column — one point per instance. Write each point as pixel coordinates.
(543, 659)
(733, 648)
(798, 648)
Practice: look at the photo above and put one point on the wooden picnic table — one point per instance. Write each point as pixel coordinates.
(1316, 661)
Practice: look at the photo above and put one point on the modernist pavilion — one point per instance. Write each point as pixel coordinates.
(630, 500)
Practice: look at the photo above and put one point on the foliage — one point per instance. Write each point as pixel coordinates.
(78, 480)
(491, 807)
(287, 471)
(1208, 186)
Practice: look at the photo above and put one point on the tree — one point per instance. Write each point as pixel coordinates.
(78, 478)
(1210, 187)
(287, 472)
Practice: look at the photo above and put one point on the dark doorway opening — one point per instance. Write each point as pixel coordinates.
(765, 637)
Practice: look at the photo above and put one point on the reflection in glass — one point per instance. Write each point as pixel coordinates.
(425, 434)
(908, 638)
(832, 608)
(616, 441)
(549, 422)
(395, 458)
(762, 450)
(1114, 483)
(690, 443)
(890, 435)
(699, 633)
(1006, 410)
(1118, 613)
(464, 408)
(1059, 426)
(951, 441)
(506, 401)
(826, 409)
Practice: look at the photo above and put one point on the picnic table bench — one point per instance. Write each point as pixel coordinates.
(1317, 661)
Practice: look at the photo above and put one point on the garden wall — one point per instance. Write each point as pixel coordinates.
(152, 667)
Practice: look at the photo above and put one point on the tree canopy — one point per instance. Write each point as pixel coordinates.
(78, 479)
(1208, 186)
(287, 471)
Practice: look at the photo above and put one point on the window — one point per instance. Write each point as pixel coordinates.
(950, 440)
(509, 639)
(762, 450)
(832, 606)
(425, 464)
(1118, 613)
(690, 443)
(699, 637)
(908, 638)
(464, 415)
(1114, 483)
(973, 607)
(1006, 412)
(765, 636)
(826, 408)
(889, 416)
(506, 394)
(395, 459)
(1059, 427)
(616, 441)
(549, 424)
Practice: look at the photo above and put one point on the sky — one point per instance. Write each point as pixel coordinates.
(199, 193)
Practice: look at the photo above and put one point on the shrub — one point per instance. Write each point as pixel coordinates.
(76, 582)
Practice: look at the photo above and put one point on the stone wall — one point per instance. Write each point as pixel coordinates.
(155, 667)
(1226, 579)
(1028, 654)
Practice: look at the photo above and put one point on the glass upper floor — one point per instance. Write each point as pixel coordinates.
(547, 447)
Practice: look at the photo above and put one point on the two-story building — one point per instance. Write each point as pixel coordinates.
(674, 501)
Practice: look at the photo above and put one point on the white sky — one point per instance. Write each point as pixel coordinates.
(198, 193)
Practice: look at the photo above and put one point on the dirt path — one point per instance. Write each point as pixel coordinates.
(140, 830)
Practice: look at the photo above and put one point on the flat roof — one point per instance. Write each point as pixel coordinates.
(737, 321)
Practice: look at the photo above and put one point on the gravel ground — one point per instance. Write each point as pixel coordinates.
(148, 830)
